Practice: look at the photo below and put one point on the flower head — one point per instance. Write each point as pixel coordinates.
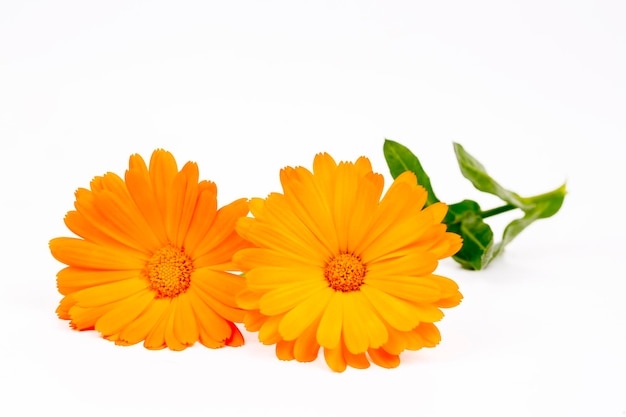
(335, 267)
(152, 258)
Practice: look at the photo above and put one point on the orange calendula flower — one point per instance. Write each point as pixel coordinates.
(336, 267)
(152, 260)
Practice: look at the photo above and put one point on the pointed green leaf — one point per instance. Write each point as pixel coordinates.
(477, 174)
(542, 206)
(399, 159)
(464, 219)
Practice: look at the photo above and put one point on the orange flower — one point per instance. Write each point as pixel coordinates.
(152, 258)
(336, 267)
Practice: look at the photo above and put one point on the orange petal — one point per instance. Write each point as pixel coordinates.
(268, 333)
(396, 342)
(414, 263)
(335, 359)
(214, 326)
(398, 313)
(138, 329)
(124, 313)
(247, 259)
(304, 314)
(253, 320)
(294, 223)
(236, 338)
(429, 333)
(87, 255)
(408, 288)
(222, 227)
(203, 216)
(171, 340)
(109, 293)
(329, 329)
(182, 203)
(185, 326)
(163, 170)
(156, 336)
(306, 347)
(368, 197)
(284, 350)
(141, 190)
(361, 326)
(267, 278)
(358, 361)
(384, 359)
(73, 279)
(311, 202)
(286, 297)
(222, 253)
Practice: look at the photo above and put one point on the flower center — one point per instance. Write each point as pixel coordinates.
(169, 272)
(345, 272)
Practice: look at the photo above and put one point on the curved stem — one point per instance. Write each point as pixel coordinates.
(497, 210)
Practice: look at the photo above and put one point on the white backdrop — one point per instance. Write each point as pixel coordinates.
(535, 90)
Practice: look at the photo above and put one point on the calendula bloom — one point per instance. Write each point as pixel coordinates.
(335, 267)
(152, 260)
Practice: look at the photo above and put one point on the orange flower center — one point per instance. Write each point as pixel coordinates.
(345, 272)
(169, 272)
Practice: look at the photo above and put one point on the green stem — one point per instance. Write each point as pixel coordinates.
(497, 210)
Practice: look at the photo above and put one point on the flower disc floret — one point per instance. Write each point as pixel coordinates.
(169, 272)
(345, 272)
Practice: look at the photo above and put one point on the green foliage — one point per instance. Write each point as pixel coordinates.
(466, 217)
(400, 159)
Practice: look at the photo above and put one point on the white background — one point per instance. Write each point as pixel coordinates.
(536, 90)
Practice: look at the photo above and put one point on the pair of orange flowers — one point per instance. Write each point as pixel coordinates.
(326, 264)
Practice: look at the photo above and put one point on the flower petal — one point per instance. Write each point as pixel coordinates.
(141, 191)
(398, 313)
(268, 278)
(331, 323)
(335, 359)
(304, 314)
(221, 229)
(246, 259)
(163, 170)
(203, 216)
(124, 313)
(185, 325)
(83, 254)
(109, 293)
(287, 297)
(182, 203)
(362, 328)
(138, 329)
(383, 358)
(156, 336)
(408, 288)
(268, 333)
(306, 347)
(358, 361)
(284, 350)
(212, 326)
(73, 279)
(415, 263)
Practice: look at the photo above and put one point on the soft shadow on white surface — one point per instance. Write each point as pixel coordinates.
(535, 91)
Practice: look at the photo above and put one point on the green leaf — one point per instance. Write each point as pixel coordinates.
(464, 219)
(542, 206)
(477, 174)
(400, 159)
(538, 207)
